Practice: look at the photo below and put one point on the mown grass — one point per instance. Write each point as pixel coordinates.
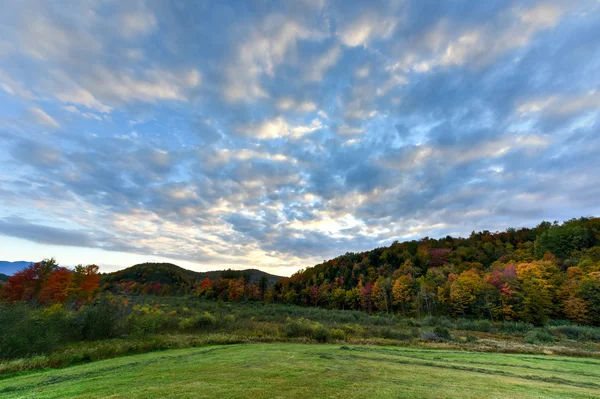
(287, 370)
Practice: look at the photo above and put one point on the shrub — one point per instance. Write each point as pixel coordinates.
(25, 332)
(105, 318)
(320, 333)
(147, 322)
(337, 334)
(579, 333)
(201, 321)
(515, 327)
(473, 325)
(442, 332)
(539, 337)
(298, 328)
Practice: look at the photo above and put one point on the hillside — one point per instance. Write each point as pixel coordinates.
(10, 268)
(152, 277)
(551, 271)
(3, 277)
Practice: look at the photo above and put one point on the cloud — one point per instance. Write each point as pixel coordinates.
(277, 135)
(43, 118)
(318, 67)
(290, 104)
(16, 227)
(267, 47)
(366, 29)
(134, 23)
(278, 128)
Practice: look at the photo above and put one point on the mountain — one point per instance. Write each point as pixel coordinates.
(10, 268)
(178, 277)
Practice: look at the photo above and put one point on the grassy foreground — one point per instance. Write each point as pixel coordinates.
(312, 370)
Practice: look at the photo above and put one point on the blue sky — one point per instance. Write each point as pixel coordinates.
(276, 134)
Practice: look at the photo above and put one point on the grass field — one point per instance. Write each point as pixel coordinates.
(311, 370)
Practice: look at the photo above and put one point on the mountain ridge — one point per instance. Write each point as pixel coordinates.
(9, 268)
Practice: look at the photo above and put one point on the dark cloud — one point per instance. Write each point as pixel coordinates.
(16, 227)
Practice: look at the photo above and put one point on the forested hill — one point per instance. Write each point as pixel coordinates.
(528, 274)
(170, 279)
(3, 277)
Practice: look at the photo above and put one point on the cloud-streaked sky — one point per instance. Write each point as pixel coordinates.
(277, 134)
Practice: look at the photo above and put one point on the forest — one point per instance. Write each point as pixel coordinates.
(532, 275)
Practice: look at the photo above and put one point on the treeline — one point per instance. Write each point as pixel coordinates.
(531, 275)
(46, 283)
(551, 271)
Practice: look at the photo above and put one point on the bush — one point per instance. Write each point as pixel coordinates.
(320, 333)
(539, 337)
(579, 333)
(297, 328)
(471, 338)
(24, 331)
(473, 325)
(515, 327)
(202, 321)
(147, 322)
(442, 332)
(105, 318)
(337, 334)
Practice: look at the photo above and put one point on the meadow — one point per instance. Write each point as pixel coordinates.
(292, 370)
(111, 326)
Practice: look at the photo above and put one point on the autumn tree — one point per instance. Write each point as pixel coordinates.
(403, 291)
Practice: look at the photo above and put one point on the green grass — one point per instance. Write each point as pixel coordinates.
(288, 370)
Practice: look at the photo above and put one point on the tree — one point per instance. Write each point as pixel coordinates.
(87, 280)
(403, 291)
(263, 283)
(59, 286)
(536, 304)
(382, 294)
(236, 289)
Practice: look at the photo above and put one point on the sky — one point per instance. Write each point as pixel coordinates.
(278, 134)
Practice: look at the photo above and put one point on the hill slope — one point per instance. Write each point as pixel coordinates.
(179, 279)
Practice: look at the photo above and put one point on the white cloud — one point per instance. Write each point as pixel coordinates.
(88, 115)
(366, 29)
(43, 118)
(43, 39)
(260, 55)
(289, 104)
(562, 105)
(316, 69)
(450, 44)
(136, 23)
(347, 130)
(277, 128)
(101, 86)
(419, 155)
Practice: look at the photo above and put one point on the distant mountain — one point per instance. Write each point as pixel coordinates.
(10, 268)
(168, 273)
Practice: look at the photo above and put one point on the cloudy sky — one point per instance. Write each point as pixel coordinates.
(277, 134)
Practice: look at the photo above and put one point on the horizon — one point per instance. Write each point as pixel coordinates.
(115, 268)
(277, 135)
